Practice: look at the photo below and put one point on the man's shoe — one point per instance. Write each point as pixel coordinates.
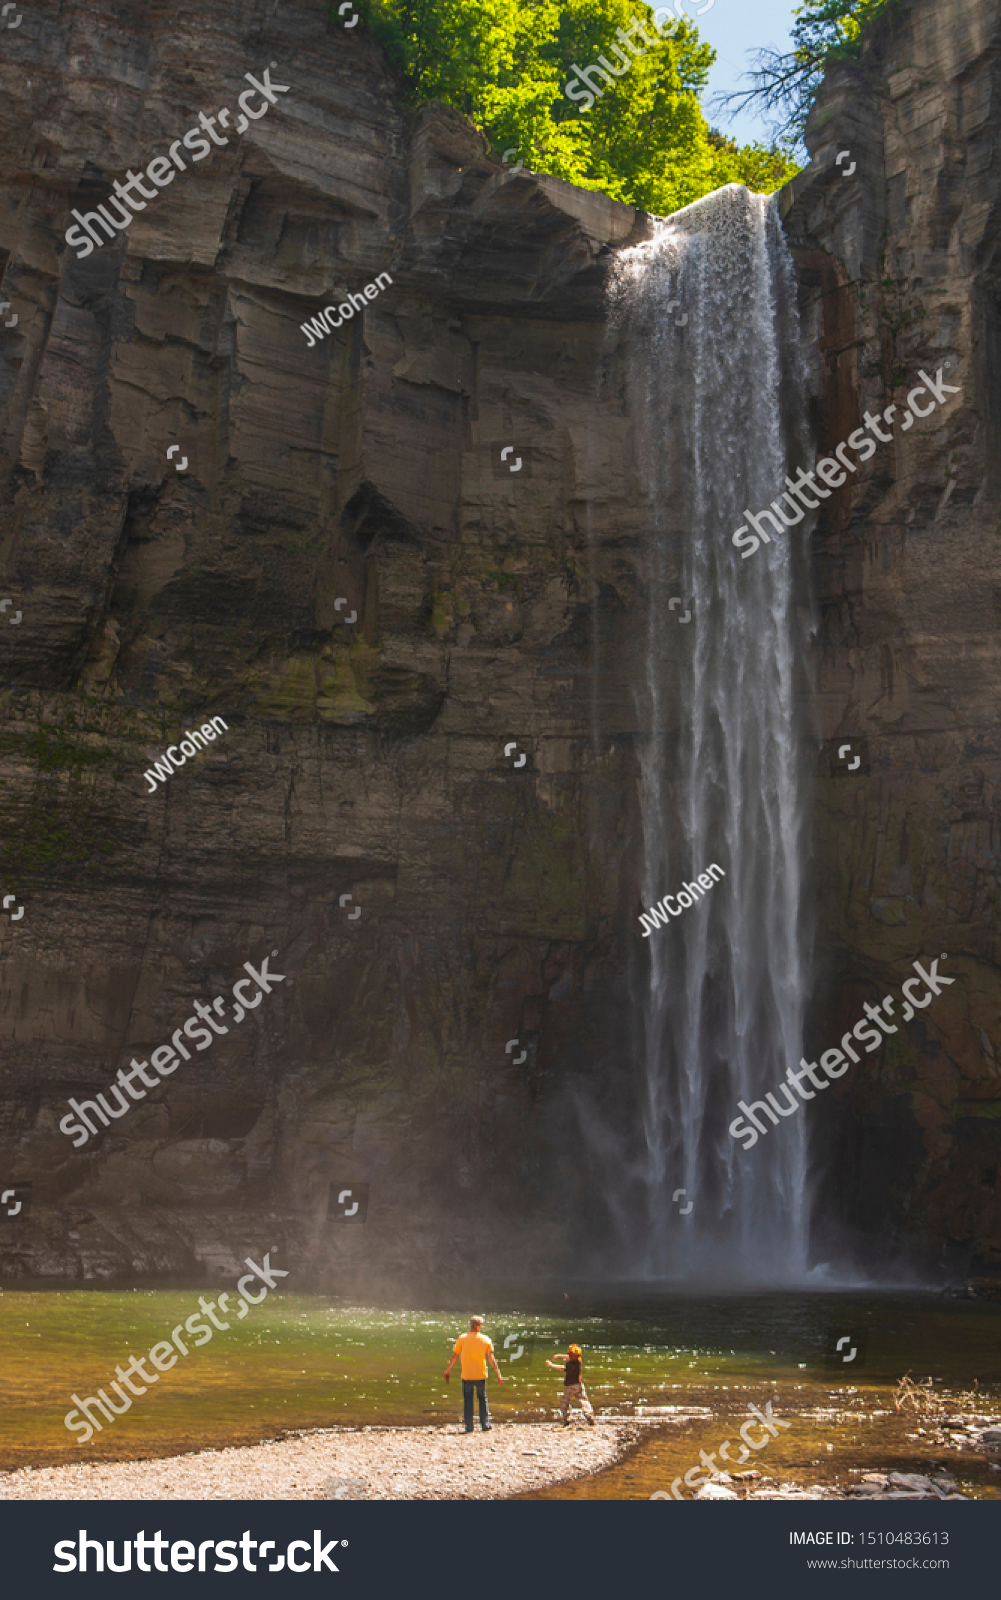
(487, 1428)
(470, 1430)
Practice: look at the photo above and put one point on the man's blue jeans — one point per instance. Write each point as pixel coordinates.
(480, 1385)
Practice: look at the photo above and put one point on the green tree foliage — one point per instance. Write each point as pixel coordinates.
(505, 63)
(824, 31)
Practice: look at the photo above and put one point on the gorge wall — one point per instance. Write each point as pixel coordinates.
(498, 897)
(902, 255)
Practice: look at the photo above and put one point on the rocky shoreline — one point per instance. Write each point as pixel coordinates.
(446, 1463)
(873, 1486)
(963, 1430)
(426, 1463)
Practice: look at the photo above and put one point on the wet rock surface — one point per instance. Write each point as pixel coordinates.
(873, 1486)
(907, 1486)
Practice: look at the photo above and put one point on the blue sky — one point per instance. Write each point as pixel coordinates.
(736, 30)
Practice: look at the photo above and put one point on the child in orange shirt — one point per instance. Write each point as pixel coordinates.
(573, 1383)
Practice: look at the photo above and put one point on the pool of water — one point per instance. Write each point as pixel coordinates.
(303, 1361)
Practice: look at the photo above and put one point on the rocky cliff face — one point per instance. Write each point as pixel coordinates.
(414, 641)
(898, 252)
(377, 601)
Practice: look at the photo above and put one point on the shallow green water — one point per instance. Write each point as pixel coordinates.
(300, 1361)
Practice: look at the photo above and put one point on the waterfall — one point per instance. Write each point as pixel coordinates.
(718, 405)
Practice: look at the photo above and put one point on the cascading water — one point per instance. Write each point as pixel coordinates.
(719, 403)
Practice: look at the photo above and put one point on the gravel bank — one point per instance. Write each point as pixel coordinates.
(874, 1486)
(430, 1463)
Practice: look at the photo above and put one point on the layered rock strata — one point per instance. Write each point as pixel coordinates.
(351, 572)
(899, 259)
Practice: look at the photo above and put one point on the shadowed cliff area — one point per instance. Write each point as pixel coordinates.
(357, 478)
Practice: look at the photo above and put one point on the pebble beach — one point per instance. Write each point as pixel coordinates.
(425, 1463)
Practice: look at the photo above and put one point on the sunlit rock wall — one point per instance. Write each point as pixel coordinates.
(899, 258)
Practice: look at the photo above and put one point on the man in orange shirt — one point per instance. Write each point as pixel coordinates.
(475, 1350)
